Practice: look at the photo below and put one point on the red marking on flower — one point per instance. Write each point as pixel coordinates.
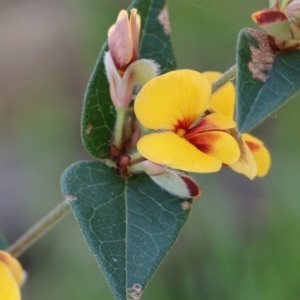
(182, 125)
(201, 141)
(253, 146)
(191, 186)
(203, 125)
(268, 16)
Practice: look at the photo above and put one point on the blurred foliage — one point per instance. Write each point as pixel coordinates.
(242, 239)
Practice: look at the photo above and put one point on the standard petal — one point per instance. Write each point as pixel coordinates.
(212, 121)
(173, 100)
(9, 289)
(120, 41)
(223, 100)
(169, 149)
(246, 164)
(218, 144)
(260, 153)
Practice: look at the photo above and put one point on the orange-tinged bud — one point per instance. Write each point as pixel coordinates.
(123, 39)
(123, 68)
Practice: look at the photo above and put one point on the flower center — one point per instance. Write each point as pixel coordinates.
(181, 132)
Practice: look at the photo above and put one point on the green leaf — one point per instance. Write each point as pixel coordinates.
(129, 224)
(98, 116)
(265, 80)
(3, 242)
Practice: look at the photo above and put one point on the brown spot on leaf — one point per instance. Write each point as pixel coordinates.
(262, 58)
(163, 19)
(185, 205)
(70, 198)
(134, 293)
(88, 129)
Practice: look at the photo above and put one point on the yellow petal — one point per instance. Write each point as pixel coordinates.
(120, 41)
(173, 99)
(260, 153)
(14, 266)
(9, 289)
(223, 100)
(246, 164)
(218, 144)
(170, 149)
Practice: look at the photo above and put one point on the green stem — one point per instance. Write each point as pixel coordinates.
(39, 229)
(119, 127)
(226, 77)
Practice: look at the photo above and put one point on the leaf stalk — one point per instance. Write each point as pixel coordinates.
(39, 229)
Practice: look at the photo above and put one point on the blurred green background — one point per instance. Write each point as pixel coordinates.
(242, 239)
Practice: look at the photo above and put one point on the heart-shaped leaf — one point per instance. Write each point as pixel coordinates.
(98, 116)
(265, 79)
(129, 224)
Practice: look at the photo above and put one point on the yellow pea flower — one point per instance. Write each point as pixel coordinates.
(187, 138)
(255, 159)
(11, 277)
